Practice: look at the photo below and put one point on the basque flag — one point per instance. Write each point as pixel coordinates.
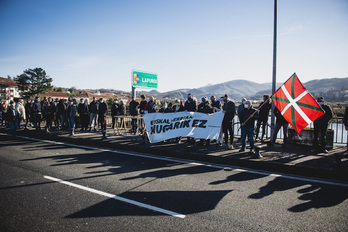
(296, 104)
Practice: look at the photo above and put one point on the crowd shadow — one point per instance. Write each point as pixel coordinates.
(183, 202)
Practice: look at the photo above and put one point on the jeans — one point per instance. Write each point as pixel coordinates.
(92, 116)
(71, 121)
(13, 126)
(250, 132)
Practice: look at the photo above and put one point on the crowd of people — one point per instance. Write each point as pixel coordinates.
(66, 114)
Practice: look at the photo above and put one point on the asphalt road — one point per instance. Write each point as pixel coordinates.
(105, 190)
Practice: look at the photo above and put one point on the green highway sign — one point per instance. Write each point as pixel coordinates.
(144, 80)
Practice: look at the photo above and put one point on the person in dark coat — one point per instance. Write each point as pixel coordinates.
(143, 103)
(93, 114)
(102, 111)
(190, 106)
(215, 104)
(264, 109)
(83, 111)
(178, 106)
(71, 113)
(151, 106)
(229, 109)
(61, 111)
(12, 116)
(345, 121)
(280, 122)
(28, 113)
(134, 111)
(166, 108)
(37, 113)
(248, 117)
(320, 126)
(114, 112)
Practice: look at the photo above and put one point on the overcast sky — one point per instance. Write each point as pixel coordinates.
(189, 44)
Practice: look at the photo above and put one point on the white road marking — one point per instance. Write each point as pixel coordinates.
(146, 206)
(192, 162)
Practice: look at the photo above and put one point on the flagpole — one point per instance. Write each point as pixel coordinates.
(274, 79)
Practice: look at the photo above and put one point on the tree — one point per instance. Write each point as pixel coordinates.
(33, 82)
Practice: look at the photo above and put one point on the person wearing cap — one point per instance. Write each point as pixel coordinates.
(320, 126)
(248, 117)
(102, 111)
(264, 109)
(229, 109)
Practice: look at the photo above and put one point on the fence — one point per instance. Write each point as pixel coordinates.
(336, 124)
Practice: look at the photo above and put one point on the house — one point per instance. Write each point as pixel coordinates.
(8, 90)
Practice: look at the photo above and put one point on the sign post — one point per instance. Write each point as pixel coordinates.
(143, 80)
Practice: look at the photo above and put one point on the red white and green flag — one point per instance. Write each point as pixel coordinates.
(296, 104)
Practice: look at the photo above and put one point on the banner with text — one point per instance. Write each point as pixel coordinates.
(161, 126)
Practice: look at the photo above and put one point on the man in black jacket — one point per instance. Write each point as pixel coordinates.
(280, 122)
(264, 109)
(215, 104)
(93, 108)
(320, 125)
(229, 109)
(83, 111)
(248, 117)
(37, 113)
(134, 111)
(102, 111)
(190, 106)
(114, 112)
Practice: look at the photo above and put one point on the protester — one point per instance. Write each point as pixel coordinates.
(21, 112)
(320, 126)
(229, 109)
(61, 111)
(56, 117)
(134, 111)
(190, 106)
(12, 115)
(4, 114)
(28, 107)
(166, 108)
(1, 107)
(71, 112)
(215, 104)
(37, 110)
(206, 108)
(280, 122)
(114, 112)
(264, 109)
(49, 113)
(345, 121)
(178, 106)
(102, 111)
(83, 112)
(248, 117)
(240, 108)
(151, 106)
(143, 103)
(93, 109)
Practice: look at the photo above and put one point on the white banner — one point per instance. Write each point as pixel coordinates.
(160, 126)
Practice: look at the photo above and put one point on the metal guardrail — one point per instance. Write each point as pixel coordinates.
(336, 124)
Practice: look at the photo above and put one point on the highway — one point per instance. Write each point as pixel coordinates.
(51, 186)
